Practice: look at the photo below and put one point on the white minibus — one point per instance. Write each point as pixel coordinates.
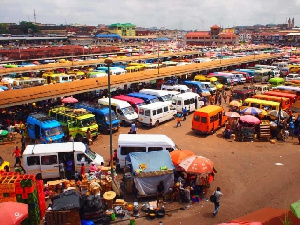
(45, 158)
(162, 95)
(141, 143)
(123, 109)
(156, 113)
(189, 100)
(178, 87)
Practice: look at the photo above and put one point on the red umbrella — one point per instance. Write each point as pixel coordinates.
(197, 164)
(69, 100)
(250, 119)
(13, 213)
(178, 155)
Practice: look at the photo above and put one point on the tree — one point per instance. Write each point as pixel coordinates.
(4, 28)
(29, 28)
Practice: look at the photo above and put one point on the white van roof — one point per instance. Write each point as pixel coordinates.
(144, 139)
(157, 93)
(186, 95)
(54, 147)
(155, 105)
(120, 103)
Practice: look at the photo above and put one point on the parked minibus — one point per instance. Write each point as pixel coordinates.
(261, 88)
(242, 94)
(162, 95)
(141, 143)
(208, 119)
(178, 87)
(262, 75)
(293, 97)
(200, 87)
(148, 99)
(156, 113)
(45, 159)
(134, 102)
(286, 103)
(112, 70)
(124, 110)
(276, 81)
(261, 104)
(249, 71)
(225, 81)
(230, 75)
(190, 100)
(212, 80)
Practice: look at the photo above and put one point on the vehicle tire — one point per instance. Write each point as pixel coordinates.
(78, 137)
(156, 123)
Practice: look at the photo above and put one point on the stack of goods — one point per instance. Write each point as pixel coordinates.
(23, 188)
(7, 187)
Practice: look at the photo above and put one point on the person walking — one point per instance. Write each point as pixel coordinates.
(17, 153)
(178, 119)
(184, 111)
(225, 97)
(62, 173)
(89, 136)
(217, 195)
(292, 129)
(220, 99)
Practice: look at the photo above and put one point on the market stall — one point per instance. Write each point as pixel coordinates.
(246, 128)
(149, 168)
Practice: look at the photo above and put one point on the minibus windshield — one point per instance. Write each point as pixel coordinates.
(53, 131)
(113, 116)
(87, 122)
(128, 110)
(90, 153)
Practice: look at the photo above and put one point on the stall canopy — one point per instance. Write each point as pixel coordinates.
(149, 168)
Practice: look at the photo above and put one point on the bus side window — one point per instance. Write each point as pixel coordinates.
(49, 159)
(33, 160)
(216, 117)
(151, 149)
(211, 119)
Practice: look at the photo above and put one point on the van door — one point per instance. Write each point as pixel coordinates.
(82, 158)
(49, 166)
(32, 164)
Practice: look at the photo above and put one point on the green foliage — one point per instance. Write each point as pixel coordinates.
(4, 28)
(29, 28)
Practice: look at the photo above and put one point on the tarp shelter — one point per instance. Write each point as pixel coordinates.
(146, 181)
(66, 201)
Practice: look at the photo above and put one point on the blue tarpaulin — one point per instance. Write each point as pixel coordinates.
(153, 161)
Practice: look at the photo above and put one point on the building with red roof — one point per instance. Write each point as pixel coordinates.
(214, 37)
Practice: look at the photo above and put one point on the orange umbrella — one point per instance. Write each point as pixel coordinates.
(197, 164)
(12, 213)
(178, 155)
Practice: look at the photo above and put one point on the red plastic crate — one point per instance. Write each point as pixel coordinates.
(18, 183)
(19, 190)
(29, 189)
(24, 196)
(12, 194)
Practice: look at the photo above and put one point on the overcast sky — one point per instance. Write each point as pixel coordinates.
(171, 14)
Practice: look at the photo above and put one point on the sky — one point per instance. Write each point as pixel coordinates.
(169, 14)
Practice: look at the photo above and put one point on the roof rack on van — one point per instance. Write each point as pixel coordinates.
(40, 116)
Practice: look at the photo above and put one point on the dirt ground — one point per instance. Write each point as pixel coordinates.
(247, 172)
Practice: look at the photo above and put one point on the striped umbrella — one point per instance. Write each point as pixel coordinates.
(251, 111)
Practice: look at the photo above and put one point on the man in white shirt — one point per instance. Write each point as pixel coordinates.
(218, 194)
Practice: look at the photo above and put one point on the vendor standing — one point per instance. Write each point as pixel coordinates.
(160, 190)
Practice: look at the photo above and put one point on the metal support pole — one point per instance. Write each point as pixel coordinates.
(108, 62)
